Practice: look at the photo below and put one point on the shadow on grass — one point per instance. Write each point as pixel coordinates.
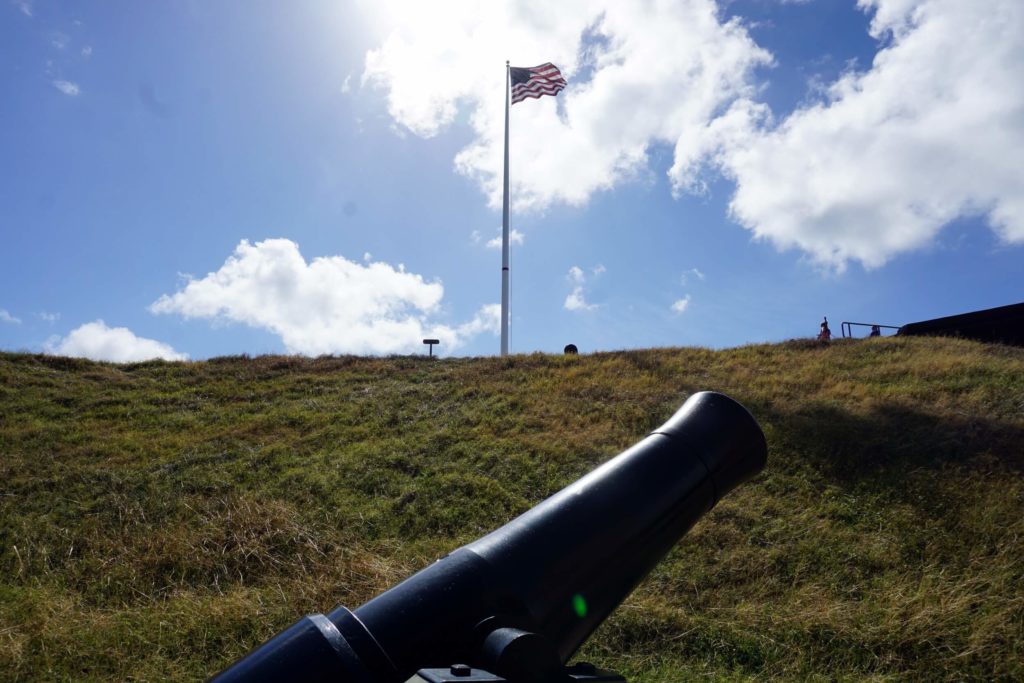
(884, 450)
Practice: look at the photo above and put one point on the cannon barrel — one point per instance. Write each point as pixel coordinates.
(521, 600)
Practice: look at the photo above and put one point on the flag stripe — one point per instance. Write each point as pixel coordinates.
(535, 81)
(538, 86)
(519, 93)
(524, 94)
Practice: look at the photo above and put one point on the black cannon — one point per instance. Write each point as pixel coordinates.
(516, 604)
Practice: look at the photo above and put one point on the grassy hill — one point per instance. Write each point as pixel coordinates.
(159, 519)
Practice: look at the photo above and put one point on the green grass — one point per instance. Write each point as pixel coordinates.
(159, 519)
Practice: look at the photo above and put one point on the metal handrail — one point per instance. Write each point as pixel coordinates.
(847, 327)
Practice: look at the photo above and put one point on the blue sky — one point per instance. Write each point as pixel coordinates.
(201, 179)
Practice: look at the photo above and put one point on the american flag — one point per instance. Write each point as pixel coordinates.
(535, 81)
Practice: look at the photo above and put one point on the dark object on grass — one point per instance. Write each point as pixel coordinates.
(516, 604)
(571, 350)
(431, 343)
(1003, 325)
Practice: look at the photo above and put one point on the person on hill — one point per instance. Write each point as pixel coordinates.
(825, 334)
(876, 331)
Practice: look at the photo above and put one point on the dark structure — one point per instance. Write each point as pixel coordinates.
(516, 604)
(570, 349)
(1004, 325)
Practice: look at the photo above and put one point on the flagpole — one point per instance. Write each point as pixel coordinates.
(504, 232)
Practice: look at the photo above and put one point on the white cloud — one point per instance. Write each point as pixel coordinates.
(87, 51)
(932, 131)
(346, 85)
(25, 6)
(59, 40)
(328, 305)
(114, 344)
(685, 277)
(681, 305)
(67, 87)
(48, 317)
(487, 319)
(6, 317)
(367, 257)
(639, 73)
(598, 269)
(514, 237)
(576, 300)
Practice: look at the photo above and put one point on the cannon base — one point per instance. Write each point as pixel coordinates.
(460, 673)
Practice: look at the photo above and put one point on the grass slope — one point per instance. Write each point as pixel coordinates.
(159, 519)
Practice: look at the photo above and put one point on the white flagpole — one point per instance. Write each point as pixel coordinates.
(504, 232)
